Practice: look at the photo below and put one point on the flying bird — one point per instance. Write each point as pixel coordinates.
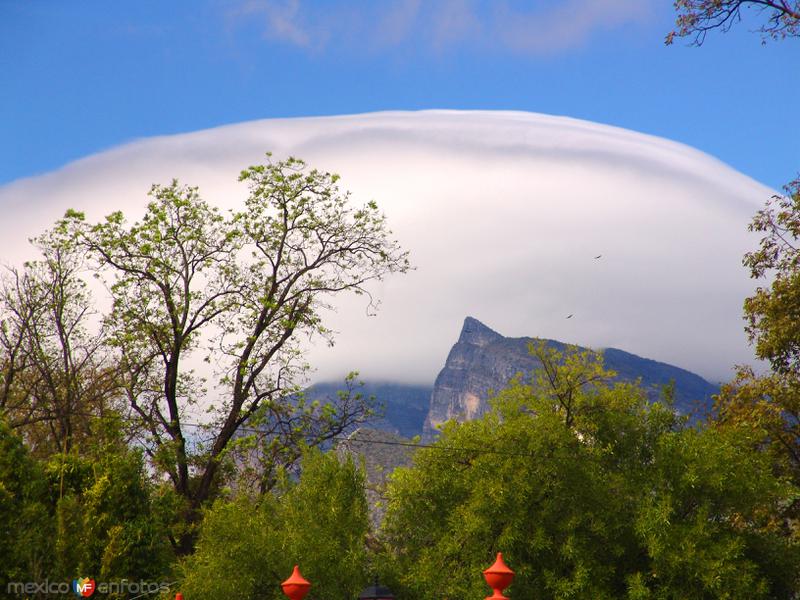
(598, 256)
(569, 316)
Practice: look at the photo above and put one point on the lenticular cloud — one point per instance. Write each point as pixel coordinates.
(504, 214)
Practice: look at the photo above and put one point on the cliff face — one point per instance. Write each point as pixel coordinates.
(474, 366)
(483, 360)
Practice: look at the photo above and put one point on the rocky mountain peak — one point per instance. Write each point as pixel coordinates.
(483, 360)
(477, 334)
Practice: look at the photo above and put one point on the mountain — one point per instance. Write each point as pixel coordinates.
(483, 360)
(404, 406)
(480, 361)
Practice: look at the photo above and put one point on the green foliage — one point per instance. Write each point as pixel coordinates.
(54, 365)
(766, 407)
(248, 546)
(75, 515)
(773, 313)
(106, 524)
(26, 524)
(769, 404)
(707, 521)
(243, 288)
(590, 493)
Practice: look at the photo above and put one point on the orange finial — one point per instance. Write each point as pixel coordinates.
(296, 587)
(499, 577)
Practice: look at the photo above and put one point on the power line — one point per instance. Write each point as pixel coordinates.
(439, 447)
(349, 439)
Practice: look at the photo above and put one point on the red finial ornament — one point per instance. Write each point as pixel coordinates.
(499, 577)
(295, 588)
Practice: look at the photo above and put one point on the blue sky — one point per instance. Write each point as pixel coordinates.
(80, 77)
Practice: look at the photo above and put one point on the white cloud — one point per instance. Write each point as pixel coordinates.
(503, 213)
(563, 25)
(395, 24)
(281, 20)
(540, 28)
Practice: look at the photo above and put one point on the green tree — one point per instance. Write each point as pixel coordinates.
(611, 498)
(769, 404)
(94, 514)
(108, 522)
(248, 546)
(26, 522)
(245, 288)
(773, 313)
(707, 521)
(55, 370)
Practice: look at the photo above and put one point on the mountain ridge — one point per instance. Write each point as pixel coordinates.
(483, 360)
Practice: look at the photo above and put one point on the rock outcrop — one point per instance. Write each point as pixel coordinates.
(482, 360)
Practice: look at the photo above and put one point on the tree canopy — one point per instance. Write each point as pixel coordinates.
(613, 498)
(773, 313)
(244, 291)
(319, 521)
(55, 368)
(95, 514)
(769, 403)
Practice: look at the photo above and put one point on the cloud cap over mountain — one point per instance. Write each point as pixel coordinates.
(504, 214)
